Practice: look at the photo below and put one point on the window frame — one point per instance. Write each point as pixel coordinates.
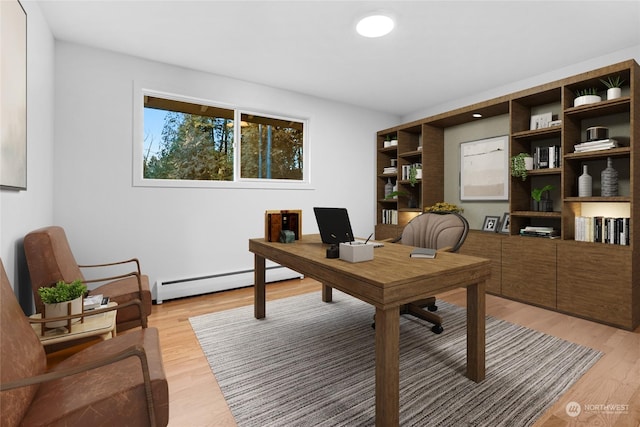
(140, 91)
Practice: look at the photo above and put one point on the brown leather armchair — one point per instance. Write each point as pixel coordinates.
(50, 259)
(120, 381)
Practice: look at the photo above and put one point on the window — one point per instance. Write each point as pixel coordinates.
(188, 142)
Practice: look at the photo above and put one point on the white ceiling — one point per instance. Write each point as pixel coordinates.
(439, 51)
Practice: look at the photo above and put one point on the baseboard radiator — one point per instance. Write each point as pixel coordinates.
(178, 288)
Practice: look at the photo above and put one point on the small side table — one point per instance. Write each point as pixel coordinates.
(101, 325)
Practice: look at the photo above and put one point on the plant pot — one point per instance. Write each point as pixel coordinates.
(62, 309)
(528, 163)
(546, 205)
(614, 92)
(586, 99)
(418, 173)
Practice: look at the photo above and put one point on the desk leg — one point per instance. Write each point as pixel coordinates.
(327, 293)
(476, 332)
(259, 297)
(388, 367)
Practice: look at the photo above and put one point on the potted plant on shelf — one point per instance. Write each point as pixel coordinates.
(57, 299)
(541, 200)
(443, 208)
(614, 86)
(586, 96)
(520, 164)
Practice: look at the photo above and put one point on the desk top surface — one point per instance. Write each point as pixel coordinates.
(392, 275)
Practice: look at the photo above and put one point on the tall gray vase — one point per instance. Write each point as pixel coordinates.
(609, 180)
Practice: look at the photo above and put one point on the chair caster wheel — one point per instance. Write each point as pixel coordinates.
(437, 329)
(432, 307)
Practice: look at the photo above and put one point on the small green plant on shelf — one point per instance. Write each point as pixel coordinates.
(612, 82)
(413, 173)
(62, 292)
(518, 165)
(537, 193)
(588, 91)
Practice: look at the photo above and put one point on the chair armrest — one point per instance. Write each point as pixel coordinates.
(132, 351)
(88, 313)
(109, 264)
(445, 249)
(120, 276)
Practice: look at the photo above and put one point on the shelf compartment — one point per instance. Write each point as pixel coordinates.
(618, 105)
(599, 154)
(536, 214)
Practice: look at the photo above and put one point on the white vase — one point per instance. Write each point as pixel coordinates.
(585, 183)
(614, 92)
(586, 99)
(62, 309)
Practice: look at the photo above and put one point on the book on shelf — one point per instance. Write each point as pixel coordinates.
(548, 232)
(423, 253)
(600, 144)
(546, 157)
(390, 170)
(614, 231)
(390, 216)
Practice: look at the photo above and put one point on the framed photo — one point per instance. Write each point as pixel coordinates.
(540, 121)
(491, 223)
(13, 103)
(504, 224)
(484, 169)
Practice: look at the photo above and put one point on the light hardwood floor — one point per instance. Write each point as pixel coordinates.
(196, 400)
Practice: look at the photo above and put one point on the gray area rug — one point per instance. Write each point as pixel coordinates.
(311, 363)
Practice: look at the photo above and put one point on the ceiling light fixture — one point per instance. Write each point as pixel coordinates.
(376, 25)
(477, 115)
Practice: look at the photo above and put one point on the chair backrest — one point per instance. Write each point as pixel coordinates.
(21, 354)
(436, 231)
(49, 259)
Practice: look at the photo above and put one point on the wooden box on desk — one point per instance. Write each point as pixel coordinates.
(278, 220)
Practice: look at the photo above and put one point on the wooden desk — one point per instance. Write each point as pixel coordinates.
(101, 325)
(387, 282)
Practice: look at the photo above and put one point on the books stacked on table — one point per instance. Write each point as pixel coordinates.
(423, 253)
(600, 144)
(548, 232)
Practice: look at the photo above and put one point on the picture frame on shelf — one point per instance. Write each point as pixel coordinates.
(491, 223)
(505, 222)
(484, 169)
(540, 121)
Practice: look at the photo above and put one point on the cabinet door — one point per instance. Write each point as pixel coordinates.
(594, 281)
(486, 245)
(529, 270)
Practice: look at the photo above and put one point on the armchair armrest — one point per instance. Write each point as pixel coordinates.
(109, 264)
(88, 313)
(132, 351)
(120, 276)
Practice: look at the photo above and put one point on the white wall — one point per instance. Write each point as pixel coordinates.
(181, 232)
(23, 211)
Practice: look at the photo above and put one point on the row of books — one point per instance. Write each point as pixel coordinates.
(600, 229)
(547, 157)
(600, 144)
(390, 216)
(406, 170)
(531, 231)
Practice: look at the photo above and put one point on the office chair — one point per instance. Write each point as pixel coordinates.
(443, 232)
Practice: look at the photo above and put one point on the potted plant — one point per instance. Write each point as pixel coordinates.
(443, 208)
(614, 86)
(541, 200)
(586, 96)
(520, 164)
(57, 299)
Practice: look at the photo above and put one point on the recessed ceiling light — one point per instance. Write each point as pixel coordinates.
(375, 26)
(477, 115)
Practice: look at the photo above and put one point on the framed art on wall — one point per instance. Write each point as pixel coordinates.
(484, 169)
(13, 96)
